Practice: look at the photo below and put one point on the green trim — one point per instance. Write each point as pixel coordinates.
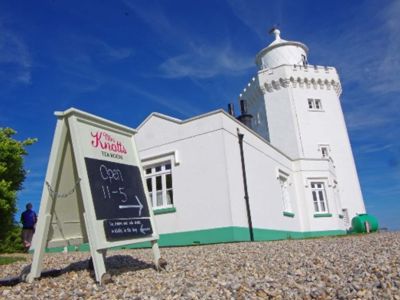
(341, 216)
(271, 235)
(217, 235)
(288, 214)
(322, 215)
(167, 210)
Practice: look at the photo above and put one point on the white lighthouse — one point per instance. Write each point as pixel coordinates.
(296, 107)
(288, 172)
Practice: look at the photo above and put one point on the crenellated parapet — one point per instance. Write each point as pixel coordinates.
(294, 76)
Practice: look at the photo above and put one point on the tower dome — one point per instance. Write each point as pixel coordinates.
(281, 52)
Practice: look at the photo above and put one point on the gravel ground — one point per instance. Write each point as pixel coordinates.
(351, 267)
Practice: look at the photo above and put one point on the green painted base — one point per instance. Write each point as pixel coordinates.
(288, 214)
(216, 235)
(322, 215)
(164, 211)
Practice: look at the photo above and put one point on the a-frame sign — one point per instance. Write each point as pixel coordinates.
(94, 191)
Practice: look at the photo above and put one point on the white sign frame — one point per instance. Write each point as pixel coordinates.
(71, 126)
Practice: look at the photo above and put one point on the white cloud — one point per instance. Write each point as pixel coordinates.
(15, 59)
(259, 16)
(103, 48)
(206, 62)
(197, 58)
(373, 148)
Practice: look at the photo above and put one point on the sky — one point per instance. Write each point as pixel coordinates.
(124, 59)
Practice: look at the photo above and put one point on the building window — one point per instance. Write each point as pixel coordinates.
(314, 104)
(318, 104)
(159, 185)
(310, 103)
(304, 60)
(283, 178)
(319, 197)
(346, 218)
(324, 149)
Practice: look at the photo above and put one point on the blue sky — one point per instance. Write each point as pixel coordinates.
(124, 59)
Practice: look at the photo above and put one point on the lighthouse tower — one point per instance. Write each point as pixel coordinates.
(296, 107)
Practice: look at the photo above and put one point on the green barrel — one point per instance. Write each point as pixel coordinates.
(359, 223)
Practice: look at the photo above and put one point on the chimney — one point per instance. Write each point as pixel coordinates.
(231, 109)
(244, 117)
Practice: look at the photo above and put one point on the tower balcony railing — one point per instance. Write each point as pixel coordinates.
(301, 67)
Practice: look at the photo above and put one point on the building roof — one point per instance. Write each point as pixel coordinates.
(205, 115)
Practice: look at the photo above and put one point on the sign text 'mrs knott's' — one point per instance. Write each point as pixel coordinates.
(105, 141)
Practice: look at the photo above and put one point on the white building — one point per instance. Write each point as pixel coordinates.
(298, 169)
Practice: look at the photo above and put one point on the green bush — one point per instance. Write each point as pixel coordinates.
(13, 241)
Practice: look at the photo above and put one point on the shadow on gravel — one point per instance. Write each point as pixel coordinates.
(115, 265)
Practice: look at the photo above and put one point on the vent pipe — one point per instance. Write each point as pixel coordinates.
(245, 117)
(231, 109)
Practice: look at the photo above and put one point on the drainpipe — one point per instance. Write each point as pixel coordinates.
(246, 194)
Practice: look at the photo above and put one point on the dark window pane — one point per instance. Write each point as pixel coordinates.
(168, 178)
(158, 168)
(149, 185)
(158, 183)
(314, 195)
(168, 167)
(148, 171)
(321, 195)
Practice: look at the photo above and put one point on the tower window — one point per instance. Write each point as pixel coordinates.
(318, 104)
(304, 60)
(314, 104)
(310, 103)
(325, 149)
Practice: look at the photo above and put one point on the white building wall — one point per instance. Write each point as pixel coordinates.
(262, 163)
(299, 131)
(327, 127)
(306, 171)
(208, 181)
(200, 184)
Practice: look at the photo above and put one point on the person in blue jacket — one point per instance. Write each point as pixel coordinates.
(28, 220)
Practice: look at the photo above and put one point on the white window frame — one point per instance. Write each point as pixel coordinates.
(319, 196)
(284, 183)
(162, 173)
(346, 218)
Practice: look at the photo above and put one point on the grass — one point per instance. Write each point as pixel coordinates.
(5, 260)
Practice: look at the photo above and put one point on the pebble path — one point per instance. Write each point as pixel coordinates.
(350, 267)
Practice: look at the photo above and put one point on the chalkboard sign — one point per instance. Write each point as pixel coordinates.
(117, 190)
(93, 192)
(120, 229)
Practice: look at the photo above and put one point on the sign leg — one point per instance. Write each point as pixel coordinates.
(41, 239)
(156, 253)
(98, 263)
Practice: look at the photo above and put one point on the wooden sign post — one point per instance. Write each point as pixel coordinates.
(94, 191)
